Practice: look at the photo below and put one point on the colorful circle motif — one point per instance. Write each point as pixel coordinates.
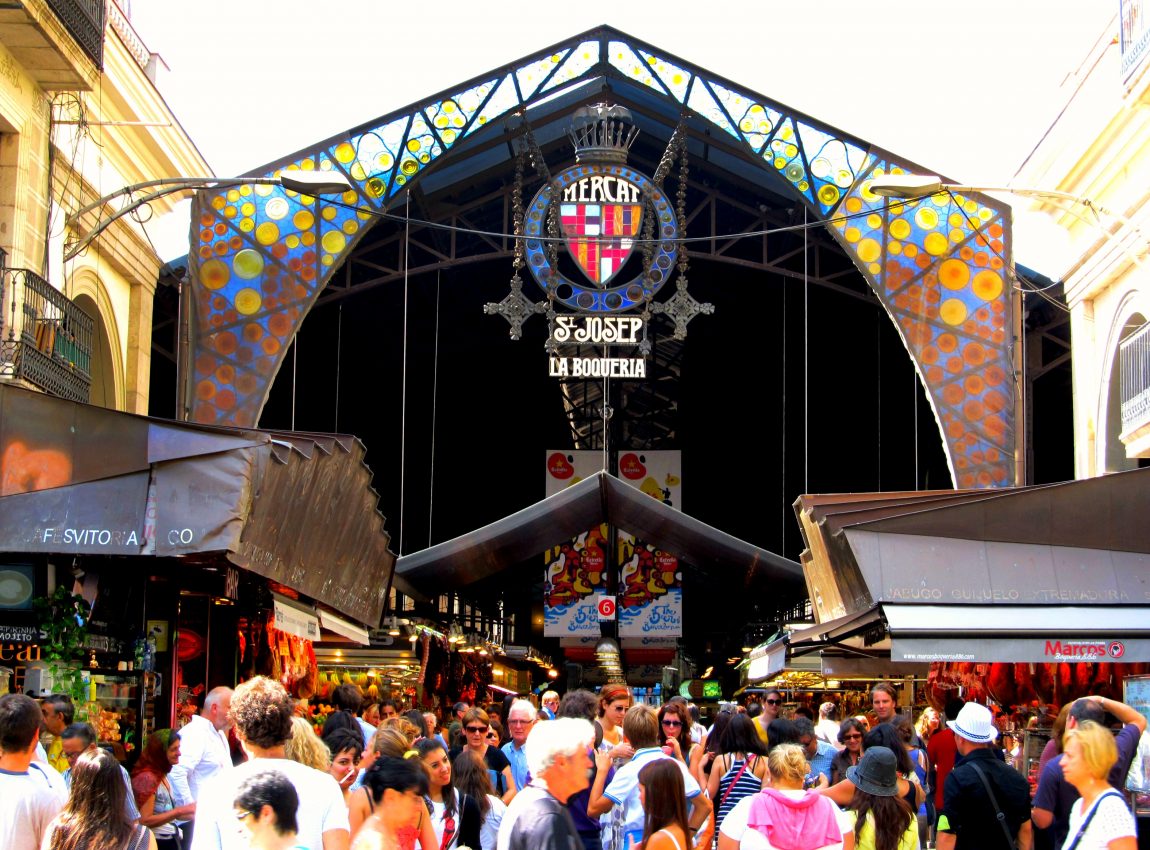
(248, 264)
(214, 274)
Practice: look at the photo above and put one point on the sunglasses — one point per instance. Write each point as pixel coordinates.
(854, 737)
(475, 730)
(774, 702)
(672, 723)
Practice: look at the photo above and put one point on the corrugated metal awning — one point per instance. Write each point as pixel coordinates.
(296, 508)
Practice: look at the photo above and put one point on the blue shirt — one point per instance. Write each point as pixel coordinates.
(821, 761)
(518, 758)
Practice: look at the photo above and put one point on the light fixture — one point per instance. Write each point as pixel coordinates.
(553, 673)
(311, 183)
(393, 627)
(914, 186)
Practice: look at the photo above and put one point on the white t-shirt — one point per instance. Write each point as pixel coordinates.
(489, 831)
(734, 825)
(1111, 820)
(28, 803)
(321, 806)
(623, 789)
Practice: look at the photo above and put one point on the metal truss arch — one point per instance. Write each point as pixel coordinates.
(261, 256)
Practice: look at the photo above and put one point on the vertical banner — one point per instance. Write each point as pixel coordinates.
(574, 577)
(650, 584)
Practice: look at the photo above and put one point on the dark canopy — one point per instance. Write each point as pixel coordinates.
(600, 498)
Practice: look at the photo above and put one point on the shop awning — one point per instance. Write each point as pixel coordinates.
(597, 499)
(1046, 573)
(1045, 633)
(296, 508)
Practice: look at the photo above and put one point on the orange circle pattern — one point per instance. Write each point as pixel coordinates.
(941, 273)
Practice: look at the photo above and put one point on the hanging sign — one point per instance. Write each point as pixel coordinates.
(295, 621)
(650, 582)
(575, 572)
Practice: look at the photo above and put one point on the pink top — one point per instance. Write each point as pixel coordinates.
(795, 824)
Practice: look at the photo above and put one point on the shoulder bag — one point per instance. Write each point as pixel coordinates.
(1082, 827)
(998, 815)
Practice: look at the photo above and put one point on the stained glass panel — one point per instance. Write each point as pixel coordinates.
(941, 265)
(581, 60)
(672, 76)
(503, 101)
(532, 75)
(756, 121)
(627, 61)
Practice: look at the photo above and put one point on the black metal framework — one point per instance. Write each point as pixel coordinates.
(48, 342)
(84, 20)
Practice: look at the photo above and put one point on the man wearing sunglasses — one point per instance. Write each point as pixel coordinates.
(772, 701)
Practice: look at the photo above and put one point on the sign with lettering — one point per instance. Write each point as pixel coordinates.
(1100, 650)
(295, 621)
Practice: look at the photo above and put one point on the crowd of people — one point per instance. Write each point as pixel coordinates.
(590, 771)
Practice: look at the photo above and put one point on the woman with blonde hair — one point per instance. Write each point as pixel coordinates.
(305, 746)
(927, 725)
(783, 816)
(1100, 818)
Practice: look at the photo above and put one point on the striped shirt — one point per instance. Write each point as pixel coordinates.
(748, 783)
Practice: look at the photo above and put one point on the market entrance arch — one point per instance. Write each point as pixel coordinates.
(941, 267)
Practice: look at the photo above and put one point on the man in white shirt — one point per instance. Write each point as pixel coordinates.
(262, 711)
(204, 750)
(641, 729)
(31, 795)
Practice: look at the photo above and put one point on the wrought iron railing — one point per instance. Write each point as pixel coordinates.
(48, 339)
(84, 19)
(1134, 368)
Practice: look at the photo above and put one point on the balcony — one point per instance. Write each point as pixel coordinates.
(84, 21)
(58, 43)
(47, 343)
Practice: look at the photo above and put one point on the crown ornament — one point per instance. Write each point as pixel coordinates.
(602, 133)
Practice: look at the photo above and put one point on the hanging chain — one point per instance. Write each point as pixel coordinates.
(517, 212)
(681, 206)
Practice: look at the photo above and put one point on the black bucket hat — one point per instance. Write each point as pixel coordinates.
(876, 773)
